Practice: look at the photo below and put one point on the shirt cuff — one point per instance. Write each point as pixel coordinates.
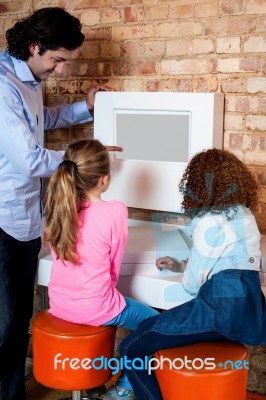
(81, 111)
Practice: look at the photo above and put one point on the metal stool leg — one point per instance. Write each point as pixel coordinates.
(76, 395)
(79, 395)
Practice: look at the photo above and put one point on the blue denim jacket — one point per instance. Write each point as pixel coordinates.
(221, 287)
(23, 159)
(219, 244)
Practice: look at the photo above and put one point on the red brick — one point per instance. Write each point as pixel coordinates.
(242, 104)
(179, 29)
(111, 16)
(156, 12)
(68, 87)
(208, 84)
(141, 48)
(232, 7)
(122, 68)
(260, 216)
(90, 69)
(263, 143)
(236, 141)
(133, 14)
(133, 32)
(86, 4)
(153, 85)
(263, 104)
(205, 10)
(80, 132)
(181, 11)
(110, 50)
(18, 6)
(176, 85)
(99, 34)
(89, 50)
(256, 7)
(3, 42)
(230, 26)
(57, 135)
(250, 64)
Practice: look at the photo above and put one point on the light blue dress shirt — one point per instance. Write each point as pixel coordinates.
(23, 159)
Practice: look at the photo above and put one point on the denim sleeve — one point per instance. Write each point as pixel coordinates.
(210, 240)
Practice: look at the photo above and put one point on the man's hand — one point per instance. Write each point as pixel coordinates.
(93, 89)
(114, 148)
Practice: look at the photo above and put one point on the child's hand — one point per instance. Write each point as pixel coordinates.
(171, 264)
(183, 265)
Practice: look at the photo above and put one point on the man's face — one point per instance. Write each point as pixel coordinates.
(52, 60)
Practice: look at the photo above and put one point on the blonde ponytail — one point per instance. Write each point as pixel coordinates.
(84, 163)
(61, 213)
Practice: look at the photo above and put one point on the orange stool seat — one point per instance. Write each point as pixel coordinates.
(203, 371)
(63, 353)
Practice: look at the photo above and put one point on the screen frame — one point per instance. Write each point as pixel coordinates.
(147, 184)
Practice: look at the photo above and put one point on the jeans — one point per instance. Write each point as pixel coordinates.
(144, 342)
(18, 265)
(130, 317)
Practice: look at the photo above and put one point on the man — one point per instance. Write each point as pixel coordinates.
(37, 46)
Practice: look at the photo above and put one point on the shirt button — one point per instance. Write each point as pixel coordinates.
(252, 260)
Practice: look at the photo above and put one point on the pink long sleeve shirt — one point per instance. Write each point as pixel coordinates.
(86, 293)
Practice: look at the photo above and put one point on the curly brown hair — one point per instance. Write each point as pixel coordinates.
(216, 180)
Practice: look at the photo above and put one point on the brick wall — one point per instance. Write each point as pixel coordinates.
(182, 45)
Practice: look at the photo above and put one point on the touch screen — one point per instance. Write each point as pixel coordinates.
(153, 136)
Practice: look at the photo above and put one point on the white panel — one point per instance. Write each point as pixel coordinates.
(44, 269)
(143, 282)
(163, 292)
(148, 241)
(153, 184)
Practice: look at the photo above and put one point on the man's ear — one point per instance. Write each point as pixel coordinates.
(34, 48)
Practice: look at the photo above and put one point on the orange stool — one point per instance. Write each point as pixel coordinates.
(189, 378)
(63, 351)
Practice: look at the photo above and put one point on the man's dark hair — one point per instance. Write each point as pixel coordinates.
(51, 27)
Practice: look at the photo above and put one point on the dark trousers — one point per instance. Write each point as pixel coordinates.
(18, 265)
(144, 342)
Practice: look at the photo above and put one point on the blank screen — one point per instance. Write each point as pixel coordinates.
(153, 136)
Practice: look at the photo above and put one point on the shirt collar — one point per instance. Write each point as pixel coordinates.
(23, 71)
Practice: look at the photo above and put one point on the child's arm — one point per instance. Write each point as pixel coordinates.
(171, 264)
(118, 240)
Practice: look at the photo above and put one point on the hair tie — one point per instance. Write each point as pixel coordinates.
(68, 164)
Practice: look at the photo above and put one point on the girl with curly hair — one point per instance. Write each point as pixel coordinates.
(220, 296)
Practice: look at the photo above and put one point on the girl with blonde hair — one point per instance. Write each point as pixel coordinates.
(87, 237)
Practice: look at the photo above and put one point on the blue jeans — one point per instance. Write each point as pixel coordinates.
(145, 342)
(132, 315)
(18, 265)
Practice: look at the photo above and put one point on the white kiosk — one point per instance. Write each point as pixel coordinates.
(159, 133)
